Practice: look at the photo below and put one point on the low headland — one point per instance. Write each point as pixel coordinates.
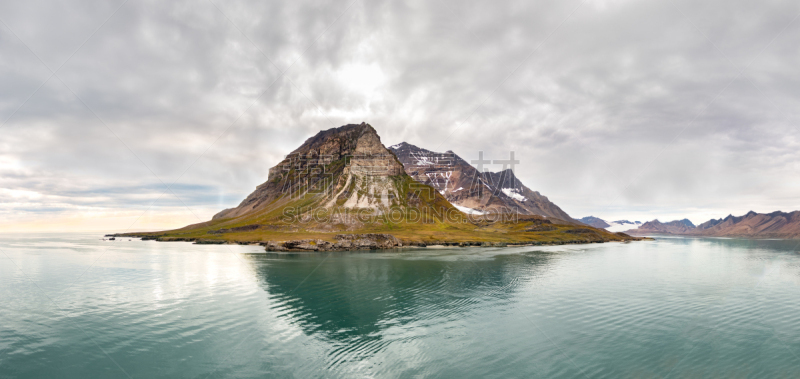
(528, 230)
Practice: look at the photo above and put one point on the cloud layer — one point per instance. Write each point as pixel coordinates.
(621, 109)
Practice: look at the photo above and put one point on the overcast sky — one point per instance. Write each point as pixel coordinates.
(617, 109)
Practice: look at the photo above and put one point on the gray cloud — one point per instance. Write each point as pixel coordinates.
(616, 108)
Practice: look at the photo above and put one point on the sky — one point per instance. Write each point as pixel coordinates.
(139, 115)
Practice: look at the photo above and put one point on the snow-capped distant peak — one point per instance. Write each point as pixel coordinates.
(623, 225)
(514, 194)
(395, 147)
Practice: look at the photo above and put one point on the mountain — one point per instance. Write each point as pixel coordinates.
(753, 225)
(346, 166)
(471, 191)
(683, 227)
(342, 189)
(595, 222)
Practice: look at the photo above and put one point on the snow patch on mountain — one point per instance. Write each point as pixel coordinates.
(423, 159)
(514, 194)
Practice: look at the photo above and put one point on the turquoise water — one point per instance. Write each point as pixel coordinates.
(73, 306)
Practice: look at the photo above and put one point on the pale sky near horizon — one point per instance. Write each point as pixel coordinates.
(621, 109)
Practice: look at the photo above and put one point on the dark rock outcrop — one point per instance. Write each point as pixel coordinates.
(209, 242)
(299, 245)
(369, 241)
(366, 241)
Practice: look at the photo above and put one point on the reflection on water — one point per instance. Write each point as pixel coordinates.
(353, 297)
(74, 306)
(773, 245)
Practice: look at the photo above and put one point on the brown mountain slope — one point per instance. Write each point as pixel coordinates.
(472, 191)
(763, 225)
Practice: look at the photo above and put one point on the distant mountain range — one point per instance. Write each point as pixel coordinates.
(757, 225)
(611, 226)
(471, 191)
(673, 227)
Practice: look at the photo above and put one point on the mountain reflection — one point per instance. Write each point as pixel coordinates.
(353, 298)
(749, 244)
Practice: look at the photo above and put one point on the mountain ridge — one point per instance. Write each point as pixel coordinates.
(753, 225)
(473, 191)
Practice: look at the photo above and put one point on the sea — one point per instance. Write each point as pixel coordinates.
(79, 306)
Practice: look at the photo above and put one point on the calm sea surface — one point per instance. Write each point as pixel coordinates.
(74, 306)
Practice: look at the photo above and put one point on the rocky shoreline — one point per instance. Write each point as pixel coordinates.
(350, 242)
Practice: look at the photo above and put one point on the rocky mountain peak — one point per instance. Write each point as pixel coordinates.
(504, 179)
(358, 144)
(369, 142)
(346, 166)
(347, 139)
(472, 191)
